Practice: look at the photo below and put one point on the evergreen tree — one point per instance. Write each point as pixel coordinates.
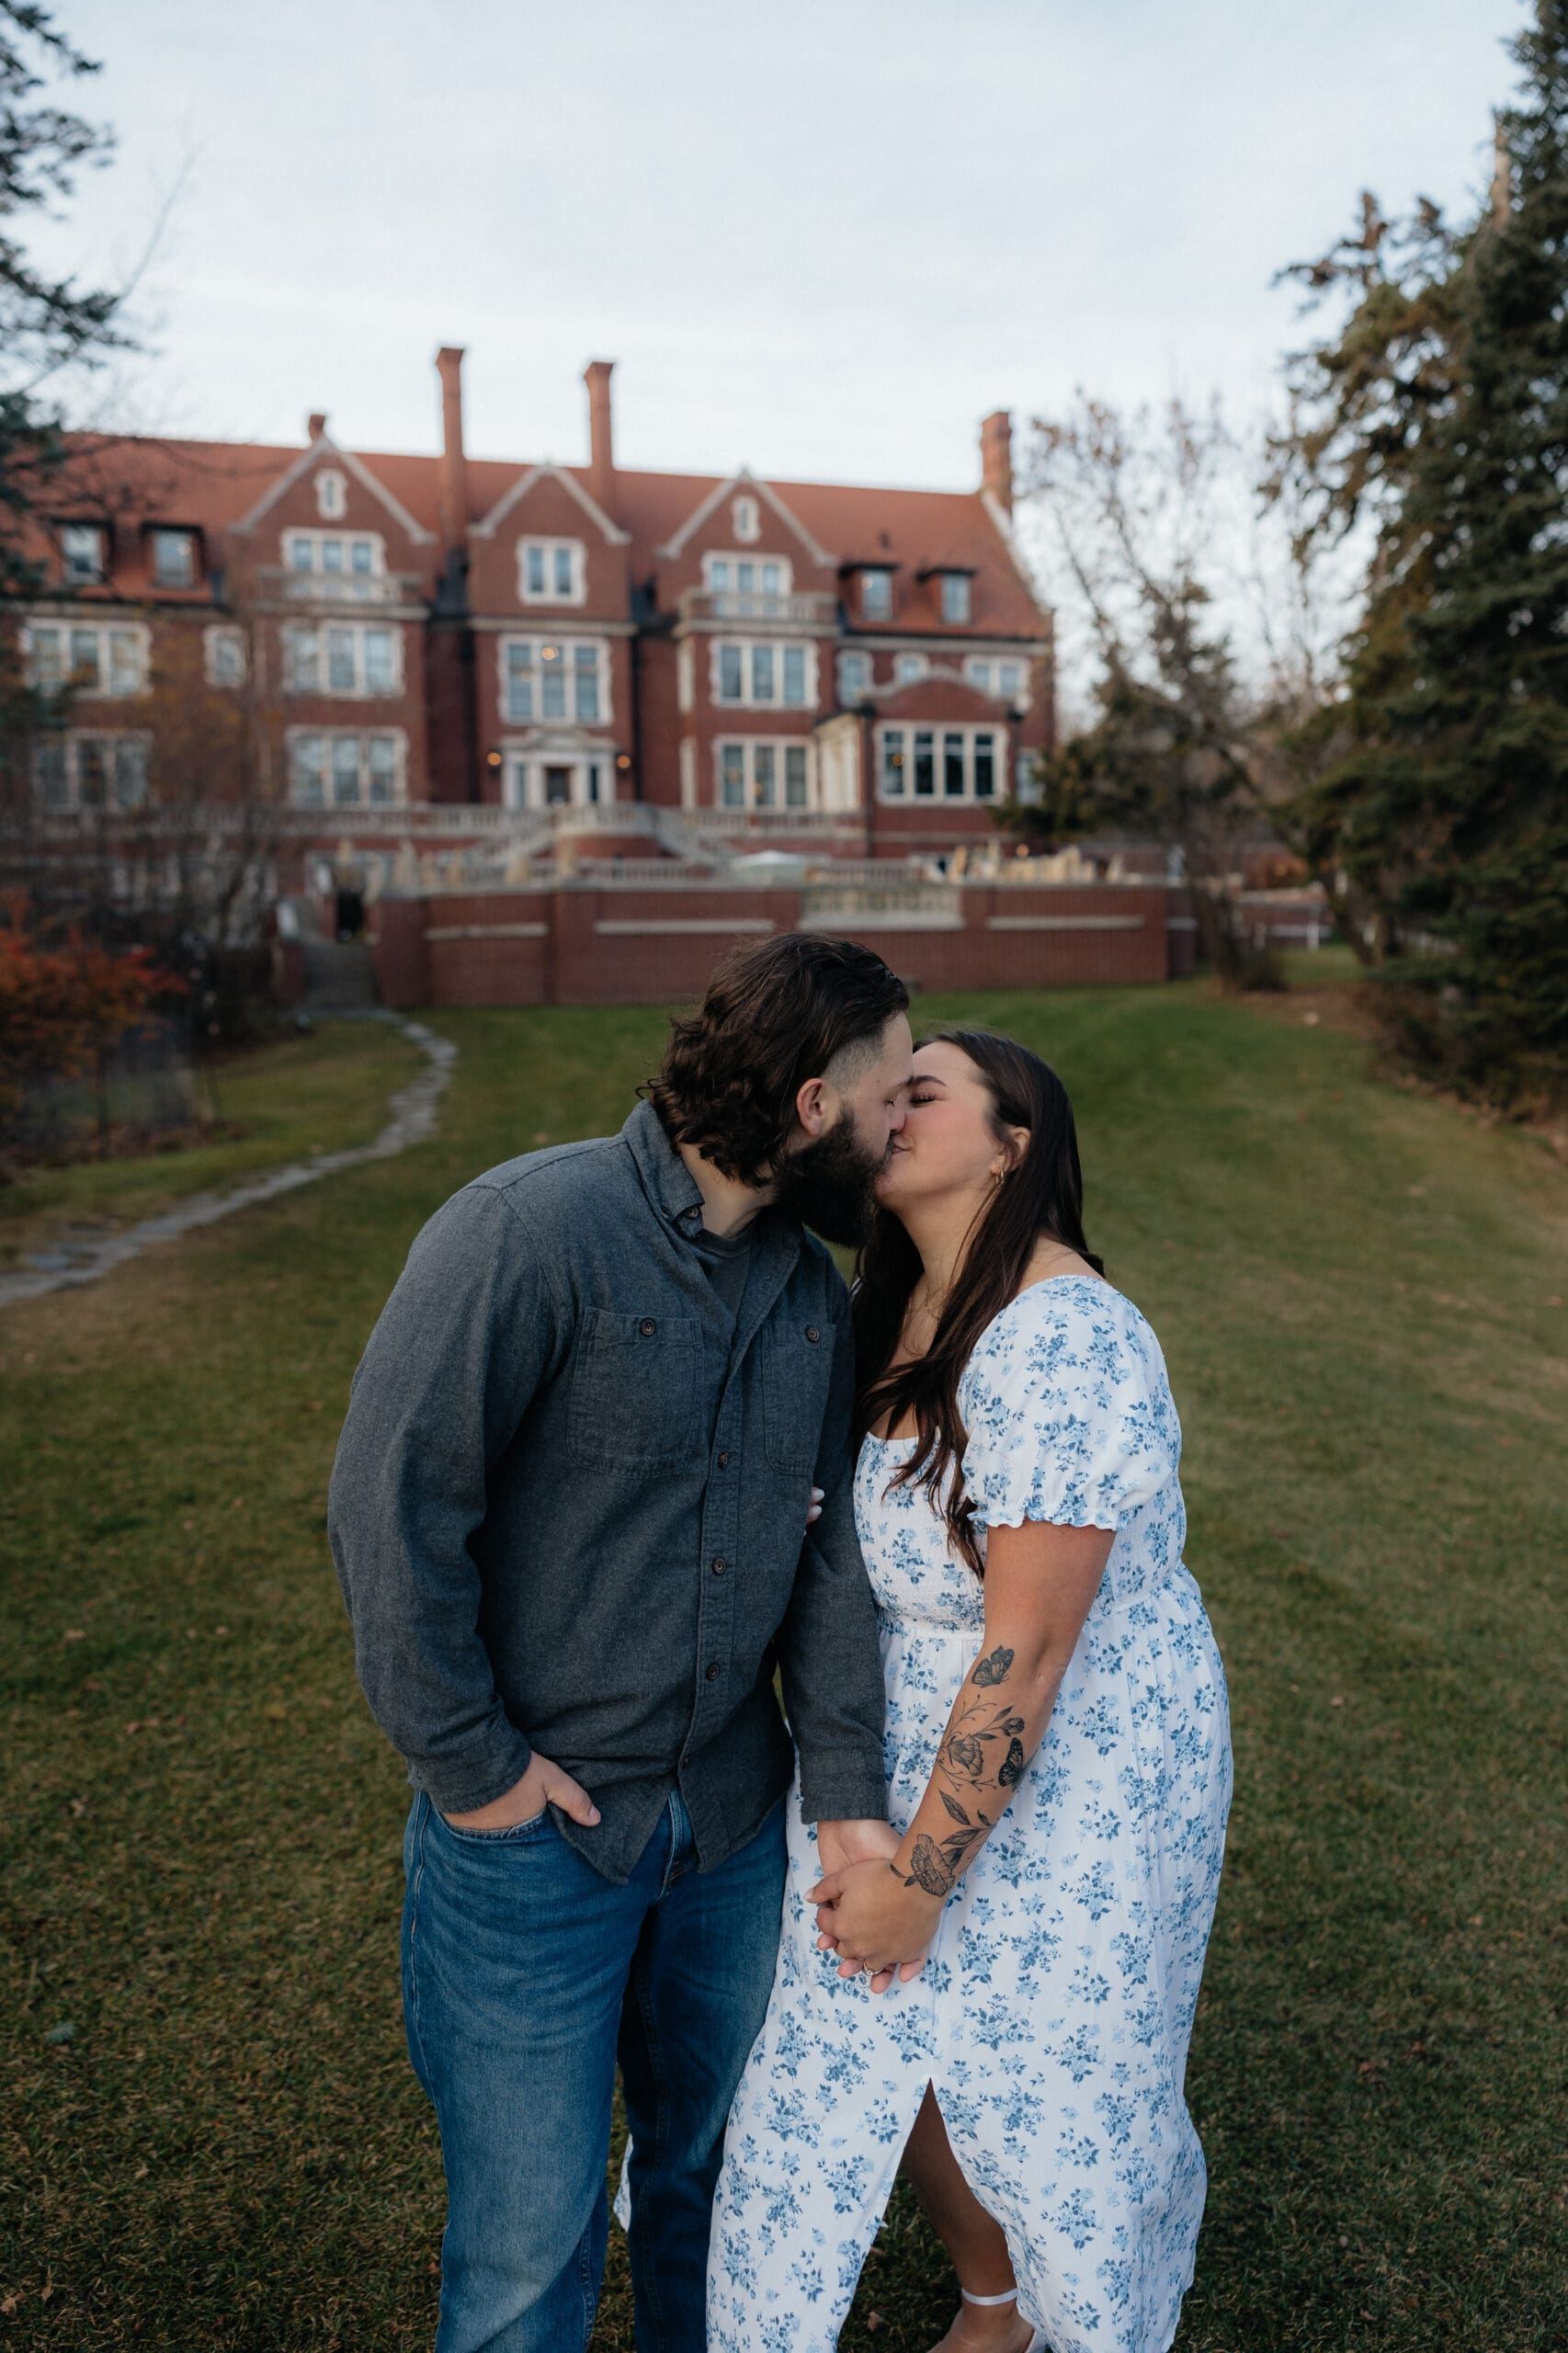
(1444, 405)
(46, 324)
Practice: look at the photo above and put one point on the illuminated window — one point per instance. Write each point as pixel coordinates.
(545, 677)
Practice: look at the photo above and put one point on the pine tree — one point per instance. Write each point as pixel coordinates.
(1447, 406)
(46, 325)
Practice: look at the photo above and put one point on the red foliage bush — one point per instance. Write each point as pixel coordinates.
(62, 1006)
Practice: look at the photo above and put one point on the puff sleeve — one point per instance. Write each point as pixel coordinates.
(1068, 1412)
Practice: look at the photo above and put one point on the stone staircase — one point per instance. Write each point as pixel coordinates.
(339, 977)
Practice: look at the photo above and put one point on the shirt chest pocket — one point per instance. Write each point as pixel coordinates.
(797, 1367)
(634, 1384)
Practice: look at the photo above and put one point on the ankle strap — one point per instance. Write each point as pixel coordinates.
(1008, 2296)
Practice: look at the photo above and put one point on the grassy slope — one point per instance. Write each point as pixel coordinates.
(1351, 1285)
(323, 1093)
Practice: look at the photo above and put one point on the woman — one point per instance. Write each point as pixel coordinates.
(1058, 1760)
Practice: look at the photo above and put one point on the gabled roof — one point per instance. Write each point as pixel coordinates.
(740, 483)
(216, 486)
(324, 447)
(547, 469)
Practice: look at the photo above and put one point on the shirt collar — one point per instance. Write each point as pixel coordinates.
(676, 1196)
(667, 1181)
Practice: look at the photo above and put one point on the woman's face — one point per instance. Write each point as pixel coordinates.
(947, 1148)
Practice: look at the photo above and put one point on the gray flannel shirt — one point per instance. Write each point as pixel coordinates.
(569, 1507)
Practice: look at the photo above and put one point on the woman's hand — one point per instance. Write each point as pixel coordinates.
(813, 1509)
(875, 1918)
(838, 1845)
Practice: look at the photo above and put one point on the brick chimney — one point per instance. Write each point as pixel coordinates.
(315, 425)
(454, 465)
(601, 444)
(997, 458)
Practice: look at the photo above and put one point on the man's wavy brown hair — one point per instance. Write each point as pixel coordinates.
(774, 1016)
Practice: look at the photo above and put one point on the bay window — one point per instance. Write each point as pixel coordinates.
(763, 772)
(940, 763)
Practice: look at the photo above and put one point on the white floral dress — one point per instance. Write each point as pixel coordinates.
(1053, 2015)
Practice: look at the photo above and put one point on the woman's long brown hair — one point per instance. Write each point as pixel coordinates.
(1043, 1194)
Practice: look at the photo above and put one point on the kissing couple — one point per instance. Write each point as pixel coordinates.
(624, 1464)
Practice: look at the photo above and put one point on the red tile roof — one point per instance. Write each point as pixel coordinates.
(213, 484)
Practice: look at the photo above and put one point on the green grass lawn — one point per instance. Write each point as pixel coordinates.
(1360, 1295)
(322, 1093)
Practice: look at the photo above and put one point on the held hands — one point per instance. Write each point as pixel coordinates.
(543, 1784)
(875, 1920)
(856, 1857)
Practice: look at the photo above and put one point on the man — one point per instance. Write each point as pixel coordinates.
(569, 1515)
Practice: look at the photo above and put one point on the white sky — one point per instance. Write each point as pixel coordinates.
(821, 237)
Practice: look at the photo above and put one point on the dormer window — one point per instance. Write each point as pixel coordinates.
(958, 604)
(745, 519)
(876, 594)
(174, 559)
(84, 549)
(332, 495)
(551, 572)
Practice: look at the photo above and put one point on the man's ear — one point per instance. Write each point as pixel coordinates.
(811, 1107)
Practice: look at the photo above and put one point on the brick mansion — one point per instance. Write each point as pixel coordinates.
(565, 729)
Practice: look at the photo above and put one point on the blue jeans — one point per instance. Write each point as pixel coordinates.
(524, 1974)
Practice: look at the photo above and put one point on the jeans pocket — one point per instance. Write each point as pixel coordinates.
(515, 1834)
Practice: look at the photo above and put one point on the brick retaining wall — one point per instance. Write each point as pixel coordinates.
(585, 945)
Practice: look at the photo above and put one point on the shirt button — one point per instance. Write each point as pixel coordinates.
(647, 1327)
(723, 1463)
(720, 1566)
(713, 1672)
(811, 1332)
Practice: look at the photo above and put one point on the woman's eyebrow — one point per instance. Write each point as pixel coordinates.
(926, 1078)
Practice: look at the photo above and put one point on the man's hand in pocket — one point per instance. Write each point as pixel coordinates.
(543, 1784)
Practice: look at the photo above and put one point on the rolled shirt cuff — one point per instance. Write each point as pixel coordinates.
(461, 1785)
(847, 1785)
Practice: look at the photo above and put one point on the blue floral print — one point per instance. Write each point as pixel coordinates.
(1053, 2015)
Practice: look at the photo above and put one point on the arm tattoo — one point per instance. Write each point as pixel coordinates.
(980, 1753)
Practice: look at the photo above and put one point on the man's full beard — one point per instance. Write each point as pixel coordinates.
(828, 1184)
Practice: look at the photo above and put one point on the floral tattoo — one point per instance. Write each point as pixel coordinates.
(980, 1753)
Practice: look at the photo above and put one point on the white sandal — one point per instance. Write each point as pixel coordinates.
(1037, 2343)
